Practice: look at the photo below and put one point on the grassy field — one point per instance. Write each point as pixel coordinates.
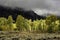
(29, 36)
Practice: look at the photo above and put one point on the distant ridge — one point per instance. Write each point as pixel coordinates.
(6, 11)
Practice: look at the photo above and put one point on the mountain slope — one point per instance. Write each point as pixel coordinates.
(6, 11)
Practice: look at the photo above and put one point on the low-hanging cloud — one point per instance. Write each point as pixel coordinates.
(52, 5)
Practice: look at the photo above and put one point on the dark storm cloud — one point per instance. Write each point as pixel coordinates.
(52, 5)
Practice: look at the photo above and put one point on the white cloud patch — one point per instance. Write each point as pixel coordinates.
(45, 12)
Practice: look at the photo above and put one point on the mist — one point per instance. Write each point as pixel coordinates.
(50, 6)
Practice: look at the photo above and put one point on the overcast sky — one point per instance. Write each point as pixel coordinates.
(39, 6)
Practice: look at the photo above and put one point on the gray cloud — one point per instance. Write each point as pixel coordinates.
(52, 5)
(22, 3)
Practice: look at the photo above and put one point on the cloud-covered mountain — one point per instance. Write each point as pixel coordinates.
(51, 5)
(30, 14)
(40, 7)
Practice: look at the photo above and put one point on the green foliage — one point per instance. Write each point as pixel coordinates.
(51, 18)
(22, 23)
(6, 24)
(50, 28)
(50, 24)
(59, 26)
(34, 25)
(3, 24)
(19, 23)
(42, 27)
(10, 23)
(27, 25)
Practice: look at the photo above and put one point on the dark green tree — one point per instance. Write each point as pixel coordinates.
(51, 18)
(51, 28)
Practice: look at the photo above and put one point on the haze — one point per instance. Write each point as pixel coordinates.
(50, 6)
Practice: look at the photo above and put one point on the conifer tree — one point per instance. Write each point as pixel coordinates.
(10, 23)
(22, 23)
(3, 24)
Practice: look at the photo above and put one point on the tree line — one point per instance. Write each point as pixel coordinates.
(50, 24)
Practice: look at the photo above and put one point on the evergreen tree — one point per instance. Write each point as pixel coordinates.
(10, 23)
(51, 18)
(3, 24)
(21, 23)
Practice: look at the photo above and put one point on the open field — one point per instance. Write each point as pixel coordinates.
(28, 36)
